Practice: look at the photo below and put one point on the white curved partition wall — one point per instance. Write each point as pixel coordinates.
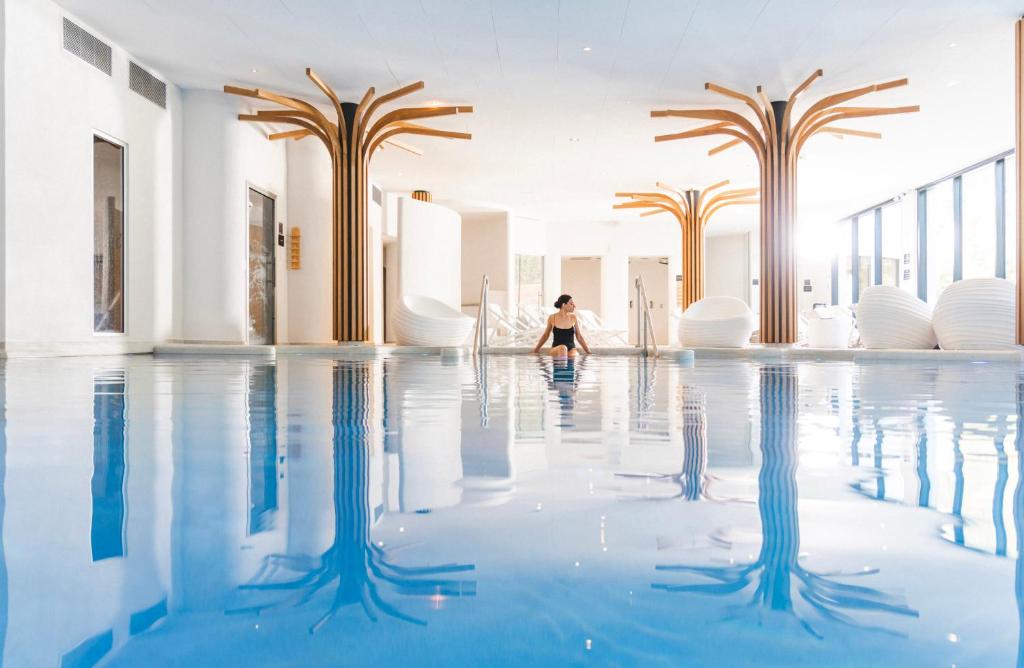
(717, 322)
(888, 317)
(976, 314)
(423, 321)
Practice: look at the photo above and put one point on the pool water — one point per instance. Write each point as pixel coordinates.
(510, 510)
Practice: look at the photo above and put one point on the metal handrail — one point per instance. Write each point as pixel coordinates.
(480, 333)
(644, 319)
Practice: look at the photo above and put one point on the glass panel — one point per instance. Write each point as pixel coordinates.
(262, 449)
(892, 244)
(530, 280)
(108, 473)
(979, 209)
(866, 249)
(844, 248)
(940, 238)
(108, 236)
(1011, 216)
(261, 268)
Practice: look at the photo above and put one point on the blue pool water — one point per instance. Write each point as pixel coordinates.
(418, 511)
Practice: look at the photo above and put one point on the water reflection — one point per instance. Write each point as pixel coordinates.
(777, 573)
(353, 565)
(313, 495)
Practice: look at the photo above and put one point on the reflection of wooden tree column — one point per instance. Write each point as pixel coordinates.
(351, 141)
(693, 210)
(776, 141)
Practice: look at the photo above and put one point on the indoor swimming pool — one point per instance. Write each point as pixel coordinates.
(509, 510)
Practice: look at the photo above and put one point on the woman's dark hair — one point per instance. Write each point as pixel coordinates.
(564, 299)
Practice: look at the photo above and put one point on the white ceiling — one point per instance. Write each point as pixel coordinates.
(557, 129)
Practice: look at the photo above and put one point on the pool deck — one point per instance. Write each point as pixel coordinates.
(754, 352)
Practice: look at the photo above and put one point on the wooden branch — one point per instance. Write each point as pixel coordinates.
(413, 113)
(852, 133)
(839, 98)
(697, 132)
(792, 97)
(746, 99)
(329, 92)
(842, 113)
(291, 134)
(413, 130)
(313, 128)
(724, 147)
(403, 146)
(357, 119)
(384, 99)
(718, 115)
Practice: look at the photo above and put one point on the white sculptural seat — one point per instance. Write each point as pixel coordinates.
(424, 321)
(717, 322)
(976, 314)
(888, 317)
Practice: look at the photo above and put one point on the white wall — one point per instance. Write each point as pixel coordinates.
(309, 288)
(581, 277)
(223, 157)
(429, 251)
(615, 243)
(57, 102)
(726, 267)
(487, 249)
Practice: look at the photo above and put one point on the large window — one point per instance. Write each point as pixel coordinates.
(962, 232)
(108, 236)
(979, 222)
(891, 244)
(868, 253)
(940, 236)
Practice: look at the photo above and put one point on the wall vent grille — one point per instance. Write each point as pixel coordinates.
(147, 85)
(87, 46)
(378, 197)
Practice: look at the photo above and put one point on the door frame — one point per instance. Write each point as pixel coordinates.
(271, 196)
(670, 298)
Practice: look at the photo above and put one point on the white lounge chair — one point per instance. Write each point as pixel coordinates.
(976, 314)
(888, 317)
(424, 321)
(597, 332)
(717, 322)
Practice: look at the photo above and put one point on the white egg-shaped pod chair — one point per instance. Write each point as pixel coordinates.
(976, 314)
(888, 317)
(424, 321)
(717, 322)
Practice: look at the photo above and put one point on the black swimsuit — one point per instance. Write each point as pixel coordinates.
(564, 337)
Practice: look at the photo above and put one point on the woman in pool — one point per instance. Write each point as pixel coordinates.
(566, 329)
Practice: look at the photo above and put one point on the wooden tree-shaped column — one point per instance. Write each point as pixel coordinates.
(776, 140)
(693, 210)
(351, 140)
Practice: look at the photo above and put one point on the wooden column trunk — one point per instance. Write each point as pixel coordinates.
(778, 223)
(350, 308)
(693, 251)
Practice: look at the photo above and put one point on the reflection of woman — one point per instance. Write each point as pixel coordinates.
(566, 329)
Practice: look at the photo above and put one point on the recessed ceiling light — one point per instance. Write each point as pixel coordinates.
(953, 83)
(587, 49)
(254, 70)
(953, 45)
(574, 139)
